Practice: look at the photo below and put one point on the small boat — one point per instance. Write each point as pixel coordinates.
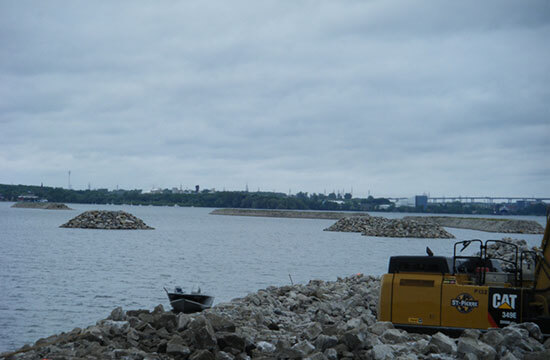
(189, 302)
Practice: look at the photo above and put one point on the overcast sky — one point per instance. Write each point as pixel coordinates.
(393, 97)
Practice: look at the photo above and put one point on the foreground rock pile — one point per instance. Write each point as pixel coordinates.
(108, 220)
(379, 226)
(483, 224)
(320, 320)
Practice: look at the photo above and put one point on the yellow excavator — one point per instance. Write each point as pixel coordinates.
(432, 293)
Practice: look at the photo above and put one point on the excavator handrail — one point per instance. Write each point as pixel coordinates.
(514, 262)
(467, 243)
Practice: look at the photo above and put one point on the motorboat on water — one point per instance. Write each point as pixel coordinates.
(189, 302)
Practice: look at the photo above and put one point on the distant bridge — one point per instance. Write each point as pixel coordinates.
(487, 199)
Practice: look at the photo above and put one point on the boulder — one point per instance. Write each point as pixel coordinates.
(443, 344)
(469, 346)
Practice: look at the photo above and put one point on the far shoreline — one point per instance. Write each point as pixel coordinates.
(294, 214)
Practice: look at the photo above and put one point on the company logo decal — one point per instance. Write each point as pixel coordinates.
(415, 320)
(504, 306)
(464, 303)
(504, 301)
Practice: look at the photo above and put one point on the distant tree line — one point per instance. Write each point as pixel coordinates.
(251, 200)
(205, 198)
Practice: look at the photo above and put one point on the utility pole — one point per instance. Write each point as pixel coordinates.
(69, 181)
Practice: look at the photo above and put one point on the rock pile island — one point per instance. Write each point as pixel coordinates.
(320, 320)
(107, 220)
(41, 205)
(379, 226)
(483, 224)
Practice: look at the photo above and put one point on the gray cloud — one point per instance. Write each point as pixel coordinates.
(388, 96)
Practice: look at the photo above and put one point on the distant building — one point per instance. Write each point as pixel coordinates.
(421, 201)
(28, 198)
(404, 202)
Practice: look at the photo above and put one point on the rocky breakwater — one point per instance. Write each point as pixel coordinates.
(41, 205)
(320, 320)
(295, 214)
(379, 226)
(107, 220)
(483, 224)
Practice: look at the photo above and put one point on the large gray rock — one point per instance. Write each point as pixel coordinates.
(313, 331)
(220, 323)
(202, 354)
(323, 342)
(379, 327)
(493, 337)
(265, 347)
(382, 352)
(303, 348)
(469, 345)
(331, 354)
(231, 340)
(353, 340)
(316, 356)
(443, 343)
(177, 347)
(394, 336)
(117, 314)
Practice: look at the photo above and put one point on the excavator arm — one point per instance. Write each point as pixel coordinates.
(542, 271)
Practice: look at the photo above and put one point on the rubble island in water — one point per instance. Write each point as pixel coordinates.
(501, 225)
(41, 205)
(319, 320)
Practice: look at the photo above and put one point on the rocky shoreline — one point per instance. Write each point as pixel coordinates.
(41, 205)
(330, 215)
(320, 320)
(382, 227)
(482, 224)
(106, 220)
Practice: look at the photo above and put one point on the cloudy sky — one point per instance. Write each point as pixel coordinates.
(393, 97)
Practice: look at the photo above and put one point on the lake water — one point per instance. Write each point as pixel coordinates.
(54, 279)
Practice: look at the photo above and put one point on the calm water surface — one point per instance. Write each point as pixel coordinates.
(54, 279)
